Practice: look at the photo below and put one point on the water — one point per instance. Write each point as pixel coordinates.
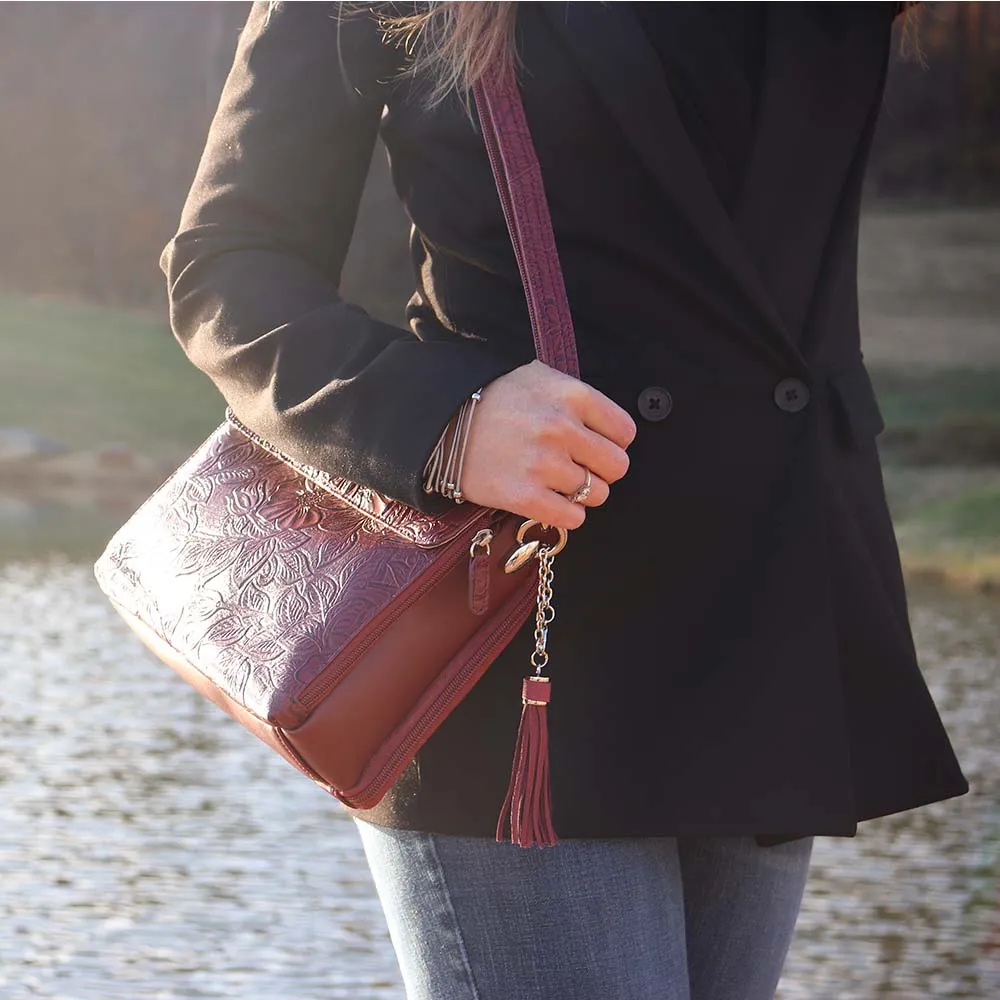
(151, 850)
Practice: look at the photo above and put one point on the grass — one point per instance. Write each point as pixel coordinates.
(955, 541)
(941, 450)
(930, 288)
(924, 399)
(939, 416)
(947, 520)
(930, 310)
(88, 376)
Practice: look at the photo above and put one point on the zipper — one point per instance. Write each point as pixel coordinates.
(325, 682)
(443, 703)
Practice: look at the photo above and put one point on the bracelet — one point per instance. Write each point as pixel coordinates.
(443, 471)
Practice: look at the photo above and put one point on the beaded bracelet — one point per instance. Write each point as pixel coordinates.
(443, 471)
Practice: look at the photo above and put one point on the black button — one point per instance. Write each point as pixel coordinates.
(655, 403)
(791, 395)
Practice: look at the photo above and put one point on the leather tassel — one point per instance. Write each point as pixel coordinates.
(528, 805)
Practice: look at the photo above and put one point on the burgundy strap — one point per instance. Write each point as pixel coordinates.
(522, 195)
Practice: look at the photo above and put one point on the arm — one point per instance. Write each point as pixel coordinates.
(253, 272)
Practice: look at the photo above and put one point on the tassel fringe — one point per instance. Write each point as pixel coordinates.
(528, 805)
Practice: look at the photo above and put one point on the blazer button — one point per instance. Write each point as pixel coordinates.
(791, 395)
(655, 403)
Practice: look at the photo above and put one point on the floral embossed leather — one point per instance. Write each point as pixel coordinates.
(331, 621)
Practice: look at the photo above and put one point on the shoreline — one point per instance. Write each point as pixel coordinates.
(74, 519)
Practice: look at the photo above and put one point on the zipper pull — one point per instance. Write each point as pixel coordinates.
(479, 572)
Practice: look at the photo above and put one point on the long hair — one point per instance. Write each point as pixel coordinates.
(452, 45)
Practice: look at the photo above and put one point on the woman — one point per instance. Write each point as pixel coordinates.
(734, 663)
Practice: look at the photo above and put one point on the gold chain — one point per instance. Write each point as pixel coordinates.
(545, 612)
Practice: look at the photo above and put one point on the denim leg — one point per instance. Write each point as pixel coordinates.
(741, 902)
(426, 938)
(471, 919)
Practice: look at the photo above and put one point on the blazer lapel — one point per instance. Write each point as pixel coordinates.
(624, 69)
(822, 77)
(694, 42)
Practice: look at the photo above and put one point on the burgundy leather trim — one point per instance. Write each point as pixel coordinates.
(389, 691)
(264, 731)
(479, 582)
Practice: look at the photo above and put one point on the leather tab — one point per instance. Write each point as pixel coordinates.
(479, 582)
(536, 689)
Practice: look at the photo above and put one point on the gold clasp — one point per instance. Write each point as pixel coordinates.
(527, 550)
(481, 539)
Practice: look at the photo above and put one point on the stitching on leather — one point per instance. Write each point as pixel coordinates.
(463, 954)
(298, 760)
(332, 484)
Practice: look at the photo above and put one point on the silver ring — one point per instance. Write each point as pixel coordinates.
(583, 492)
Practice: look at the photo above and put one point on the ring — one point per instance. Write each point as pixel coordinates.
(583, 492)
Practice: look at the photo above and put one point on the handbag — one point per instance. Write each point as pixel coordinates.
(339, 626)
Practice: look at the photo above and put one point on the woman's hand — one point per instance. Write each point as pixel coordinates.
(534, 434)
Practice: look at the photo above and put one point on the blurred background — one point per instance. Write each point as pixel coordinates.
(144, 840)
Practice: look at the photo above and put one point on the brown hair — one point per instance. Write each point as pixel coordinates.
(453, 44)
(909, 32)
(458, 43)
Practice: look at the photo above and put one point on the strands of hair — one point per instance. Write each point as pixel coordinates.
(453, 45)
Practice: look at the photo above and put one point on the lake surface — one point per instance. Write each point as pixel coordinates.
(152, 850)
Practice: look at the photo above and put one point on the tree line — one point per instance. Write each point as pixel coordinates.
(104, 109)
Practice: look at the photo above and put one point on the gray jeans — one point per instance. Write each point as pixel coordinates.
(692, 918)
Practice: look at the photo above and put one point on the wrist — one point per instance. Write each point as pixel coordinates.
(443, 470)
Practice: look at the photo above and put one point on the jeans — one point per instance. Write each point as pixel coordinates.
(691, 918)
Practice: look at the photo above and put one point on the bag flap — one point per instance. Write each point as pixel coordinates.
(416, 526)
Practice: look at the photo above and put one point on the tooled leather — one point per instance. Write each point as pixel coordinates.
(259, 573)
(414, 525)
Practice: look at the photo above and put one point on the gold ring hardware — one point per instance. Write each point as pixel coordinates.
(527, 550)
(481, 539)
(553, 550)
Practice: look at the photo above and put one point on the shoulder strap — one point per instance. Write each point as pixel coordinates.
(522, 194)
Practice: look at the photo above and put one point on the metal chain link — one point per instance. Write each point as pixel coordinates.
(545, 612)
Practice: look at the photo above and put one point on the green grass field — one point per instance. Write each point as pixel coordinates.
(930, 284)
(89, 376)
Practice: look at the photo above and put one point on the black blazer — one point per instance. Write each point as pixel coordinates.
(732, 653)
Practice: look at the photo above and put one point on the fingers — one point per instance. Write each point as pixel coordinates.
(603, 415)
(593, 451)
(554, 507)
(595, 410)
(536, 434)
(572, 479)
